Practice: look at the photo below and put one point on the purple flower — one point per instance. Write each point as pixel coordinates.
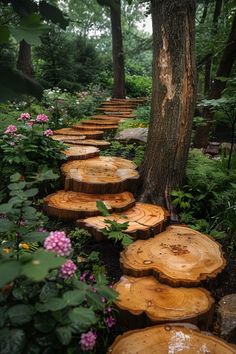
(58, 242)
(88, 341)
(11, 129)
(48, 132)
(41, 229)
(24, 116)
(110, 321)
(42, 118)
(67, 269)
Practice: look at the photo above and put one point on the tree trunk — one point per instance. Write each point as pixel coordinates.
(173, 99)
(24, 62)
(117, 52)
(216, 15)
(224, 70)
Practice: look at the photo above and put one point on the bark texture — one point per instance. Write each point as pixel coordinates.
(173, 99)
(117, 51)
(24, 62)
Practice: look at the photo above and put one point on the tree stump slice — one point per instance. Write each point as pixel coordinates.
(103, 122)
(68, 137)
(106, 117)
(144, 221)
(72, 131)
(169, 339)
(121, 115)
(179, 256)
(146, 301)
(100, 175)
(81, 152)
(89, 142)
(69, 205)
(118, 110)
(94, 127)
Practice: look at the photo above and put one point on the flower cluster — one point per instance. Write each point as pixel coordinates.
(11, 129)
(24, 116)
(67, 269)
(88, 341)
(42, 118)
(48, 132)
(110, 321)
(58, 242)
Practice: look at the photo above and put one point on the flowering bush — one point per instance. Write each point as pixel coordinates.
(27, 148)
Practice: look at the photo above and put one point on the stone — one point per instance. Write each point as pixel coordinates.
(227, 317)
(212, 148)
(138, 135)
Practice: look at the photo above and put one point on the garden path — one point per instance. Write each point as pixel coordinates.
(162, 274)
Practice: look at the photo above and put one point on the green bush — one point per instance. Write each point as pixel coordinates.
(138, 86)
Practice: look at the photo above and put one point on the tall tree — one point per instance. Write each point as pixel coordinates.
(117, 51)
(24, 62)
(173, 99)
(224, 70)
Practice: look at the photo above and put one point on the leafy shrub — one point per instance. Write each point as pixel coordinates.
(133, 151)
(138, 86)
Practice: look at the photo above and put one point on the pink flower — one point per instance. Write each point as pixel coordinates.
(11, 129)
(30, 123)
(67, 269)
(41, 229)
(24, 116)
(110, 321)
(42, 118)
(88, 341)
(58, 242)
(48, 132)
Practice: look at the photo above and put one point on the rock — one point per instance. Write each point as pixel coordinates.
(212, 148)
(138, 135)
(225, 147)
(227, 317)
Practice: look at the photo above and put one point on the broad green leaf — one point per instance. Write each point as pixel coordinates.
(16, 186)
(20, 314)
(31, 192)
(5, 208)
(53, 304)
(35, 236)
(107, 292)
(12, 341)
(48, 290)
(74, 297)
(40, 264)
(6, 225)
(64, 335)
(83, 317)
(44, 323)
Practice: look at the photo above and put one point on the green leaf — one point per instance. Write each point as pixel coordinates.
(107, 292)
(44, 323)
(20, 314)
(12, 341)
(35, 236)
(5, 208)
(4, 34)
(82, 317)
(52, 13)
(31, 192)
(102, 208)
(13, 83)
(48, 290)
(16, 177)
(64, 335)
(53, 304)
(6, 225)
(40, 264)
(74, 297)
(94, 300)
(16, 186)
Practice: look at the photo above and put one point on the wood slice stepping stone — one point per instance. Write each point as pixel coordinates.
(144, 301)
(70, 205)
(100, 122)
(94, 127)
(89, 142)
(169, 339)
(100, 175)
(144, 221)
(68, 137)
(72, 131)
(180, 256)
(106, 117)
(81, 152)
(121, 115)
(118, 110)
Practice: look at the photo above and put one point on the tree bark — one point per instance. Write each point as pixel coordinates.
(173, 99)
(117, 51)
(224, 70)
(24, 62)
